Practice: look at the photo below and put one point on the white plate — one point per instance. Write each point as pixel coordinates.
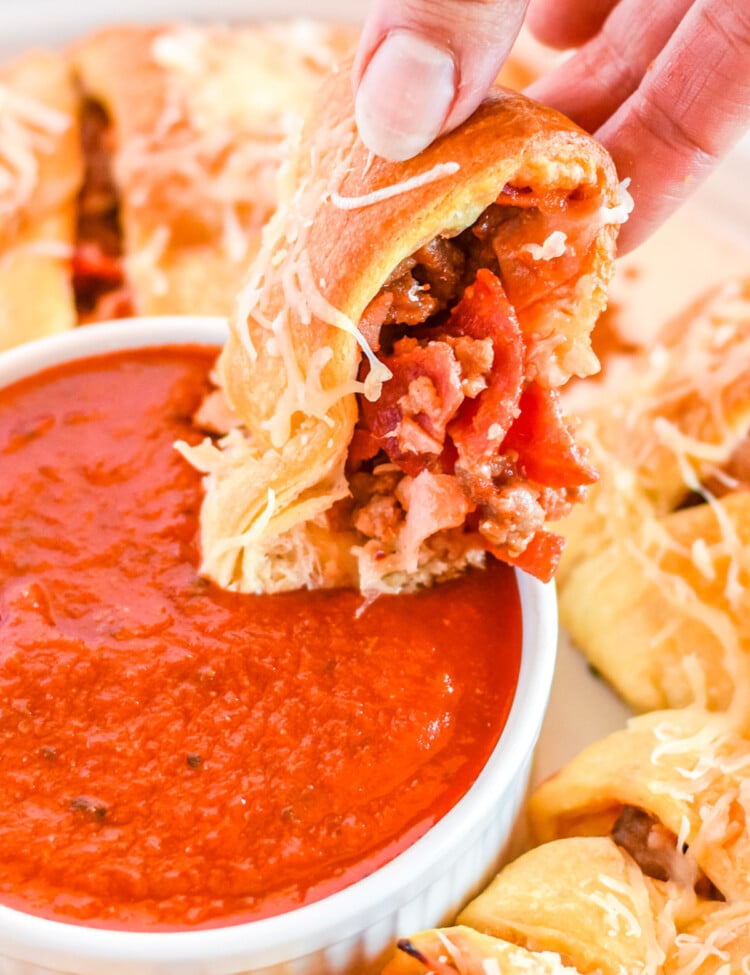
(709, 239)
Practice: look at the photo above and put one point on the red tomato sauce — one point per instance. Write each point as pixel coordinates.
(173, 755)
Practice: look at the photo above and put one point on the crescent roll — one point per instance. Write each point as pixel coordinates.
(186, 130)
(671, 789)
(658, 561)
(40, 176)
(395, 356)
(584, 899)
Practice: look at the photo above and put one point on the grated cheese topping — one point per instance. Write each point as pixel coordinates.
(693, 953)
(659, 431)
(439, 171)
(28, 129)
(620, 212)
(620, 918)
(286, 235)
(554, 246)
(212, 158)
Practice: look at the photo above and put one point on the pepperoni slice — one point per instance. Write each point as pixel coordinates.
(409, 418)
(91, 262)
(540, 557)
(547, 452)
(482, 423)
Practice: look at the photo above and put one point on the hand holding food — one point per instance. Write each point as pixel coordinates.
(665, 87)
(390, 411)
(395, 358)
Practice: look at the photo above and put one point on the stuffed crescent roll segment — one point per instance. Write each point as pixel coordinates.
(40, 176)
(183, 129)
(658, 560)
(395, 358)
(584, 899)
(671, 789)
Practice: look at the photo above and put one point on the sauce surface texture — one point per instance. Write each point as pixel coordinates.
(173, 755)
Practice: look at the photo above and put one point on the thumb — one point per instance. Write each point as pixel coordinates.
(423, 66)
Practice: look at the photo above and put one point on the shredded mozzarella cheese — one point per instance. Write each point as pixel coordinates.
(554, 246)
(619, 213)
(440, 171)
(28, 129)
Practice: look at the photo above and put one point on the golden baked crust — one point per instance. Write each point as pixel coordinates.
(200, 115)
(664, 613)
(558, 897)
(654, 584)
(686, 769)
(347, 220)
(642, 864)
(41, 170)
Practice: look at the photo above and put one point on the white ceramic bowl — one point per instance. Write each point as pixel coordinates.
(350, 930)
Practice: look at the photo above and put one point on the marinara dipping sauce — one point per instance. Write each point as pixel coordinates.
(173, 755)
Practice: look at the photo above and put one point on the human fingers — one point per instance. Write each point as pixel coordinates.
(423, 66)
(567, 23)
(690, 109)
(595, 81)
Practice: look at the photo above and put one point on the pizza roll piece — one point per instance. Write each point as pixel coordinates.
(658, 561)
(672, 790)
(40, 177)
(460, 949)
(716, 942)
(185, 131)
(672, 425)
(395, 359)
(682, 407)
(664, 615)
(583, 898)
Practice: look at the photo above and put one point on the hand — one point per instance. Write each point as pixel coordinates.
(663, 84)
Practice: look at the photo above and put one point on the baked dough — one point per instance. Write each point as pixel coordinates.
(654, 584)
(199, 117)
(359, 240)
(582, 898)
(462, 950)
(40, 176)
(680, 777)
(642, 865)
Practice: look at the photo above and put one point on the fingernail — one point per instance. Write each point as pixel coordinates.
(405, 95)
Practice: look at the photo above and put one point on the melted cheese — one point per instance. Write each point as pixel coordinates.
(619, 213)
(440, 171)
(554, 246)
